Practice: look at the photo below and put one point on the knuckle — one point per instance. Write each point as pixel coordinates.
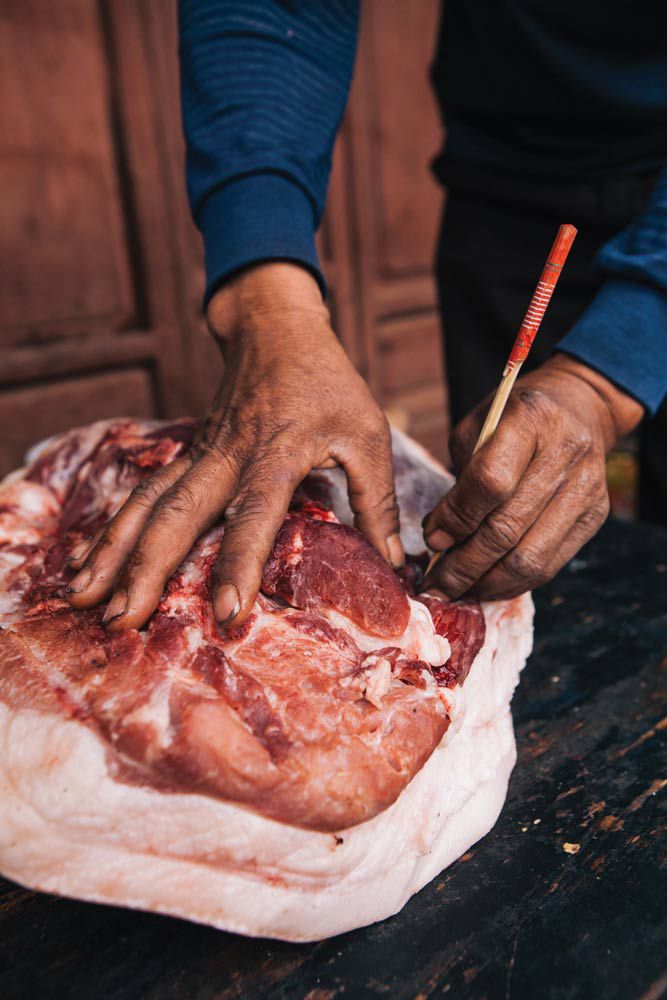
(576, 442)
(595, 515)
(101, 548)
(146, 566)
(180, 499)
(281, 456)
(452, 517)
(385, 511)
(456, 444)
(389, 506)
(377, 487)
(236, 558)
(604, 507)
(533, 400)
(375, 429)
(276, 481)
(146, 493)
(455, 579)
(501, 531)
(495, 483)
(526, 565)
(140, 560)
(460, 433)
(457, 438)
(383, 503)
(215, 459)
(589, 480)
(252, 505)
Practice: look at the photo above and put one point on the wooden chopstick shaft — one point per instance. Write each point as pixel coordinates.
(498, 405)
(524, 339)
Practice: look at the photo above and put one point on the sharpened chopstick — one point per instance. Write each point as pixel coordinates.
(524, 339)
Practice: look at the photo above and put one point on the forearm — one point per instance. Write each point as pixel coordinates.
(623, 333)
(264, 85)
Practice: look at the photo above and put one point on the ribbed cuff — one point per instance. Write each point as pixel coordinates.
(623, 335)
(259, 217)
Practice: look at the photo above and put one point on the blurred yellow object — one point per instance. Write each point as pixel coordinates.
(398, 417)
(622, 480)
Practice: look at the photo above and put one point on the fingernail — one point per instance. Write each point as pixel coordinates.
(395, 549)
(227, 603)
(439, 540)
(116, 606)
(81, 580)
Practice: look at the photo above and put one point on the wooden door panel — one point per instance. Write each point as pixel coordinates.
(405, 133)
(61, 266)
(409, 354)
(62, 237)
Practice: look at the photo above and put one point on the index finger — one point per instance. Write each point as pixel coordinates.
(488, 480)
(252, 521)
(178, 518)
(105, 555)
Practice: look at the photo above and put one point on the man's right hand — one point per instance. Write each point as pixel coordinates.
(290, 401)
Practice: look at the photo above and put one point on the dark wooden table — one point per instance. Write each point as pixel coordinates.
(521, 915)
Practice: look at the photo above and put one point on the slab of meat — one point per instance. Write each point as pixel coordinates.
(295, 777)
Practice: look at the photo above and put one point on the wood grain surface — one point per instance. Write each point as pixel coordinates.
(565, 898)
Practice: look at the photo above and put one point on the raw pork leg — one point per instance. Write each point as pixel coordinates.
(295, 778)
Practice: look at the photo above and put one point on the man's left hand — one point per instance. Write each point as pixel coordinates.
(527, 501)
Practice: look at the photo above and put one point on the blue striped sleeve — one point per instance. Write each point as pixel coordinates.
(623, 333)
(263, 86)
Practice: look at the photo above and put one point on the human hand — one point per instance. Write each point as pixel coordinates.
(527, 501)
(290, 401)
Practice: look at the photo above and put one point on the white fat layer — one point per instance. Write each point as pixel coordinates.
(156, 714)
(296, 553)
(9, 560)
(30, 499)
(377, 681)
(420, 640)
(67, 826)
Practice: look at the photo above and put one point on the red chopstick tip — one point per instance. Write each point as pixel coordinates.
(565, 235)
(561, 245)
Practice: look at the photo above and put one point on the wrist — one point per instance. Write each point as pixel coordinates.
(250, 303)
(619, 413)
